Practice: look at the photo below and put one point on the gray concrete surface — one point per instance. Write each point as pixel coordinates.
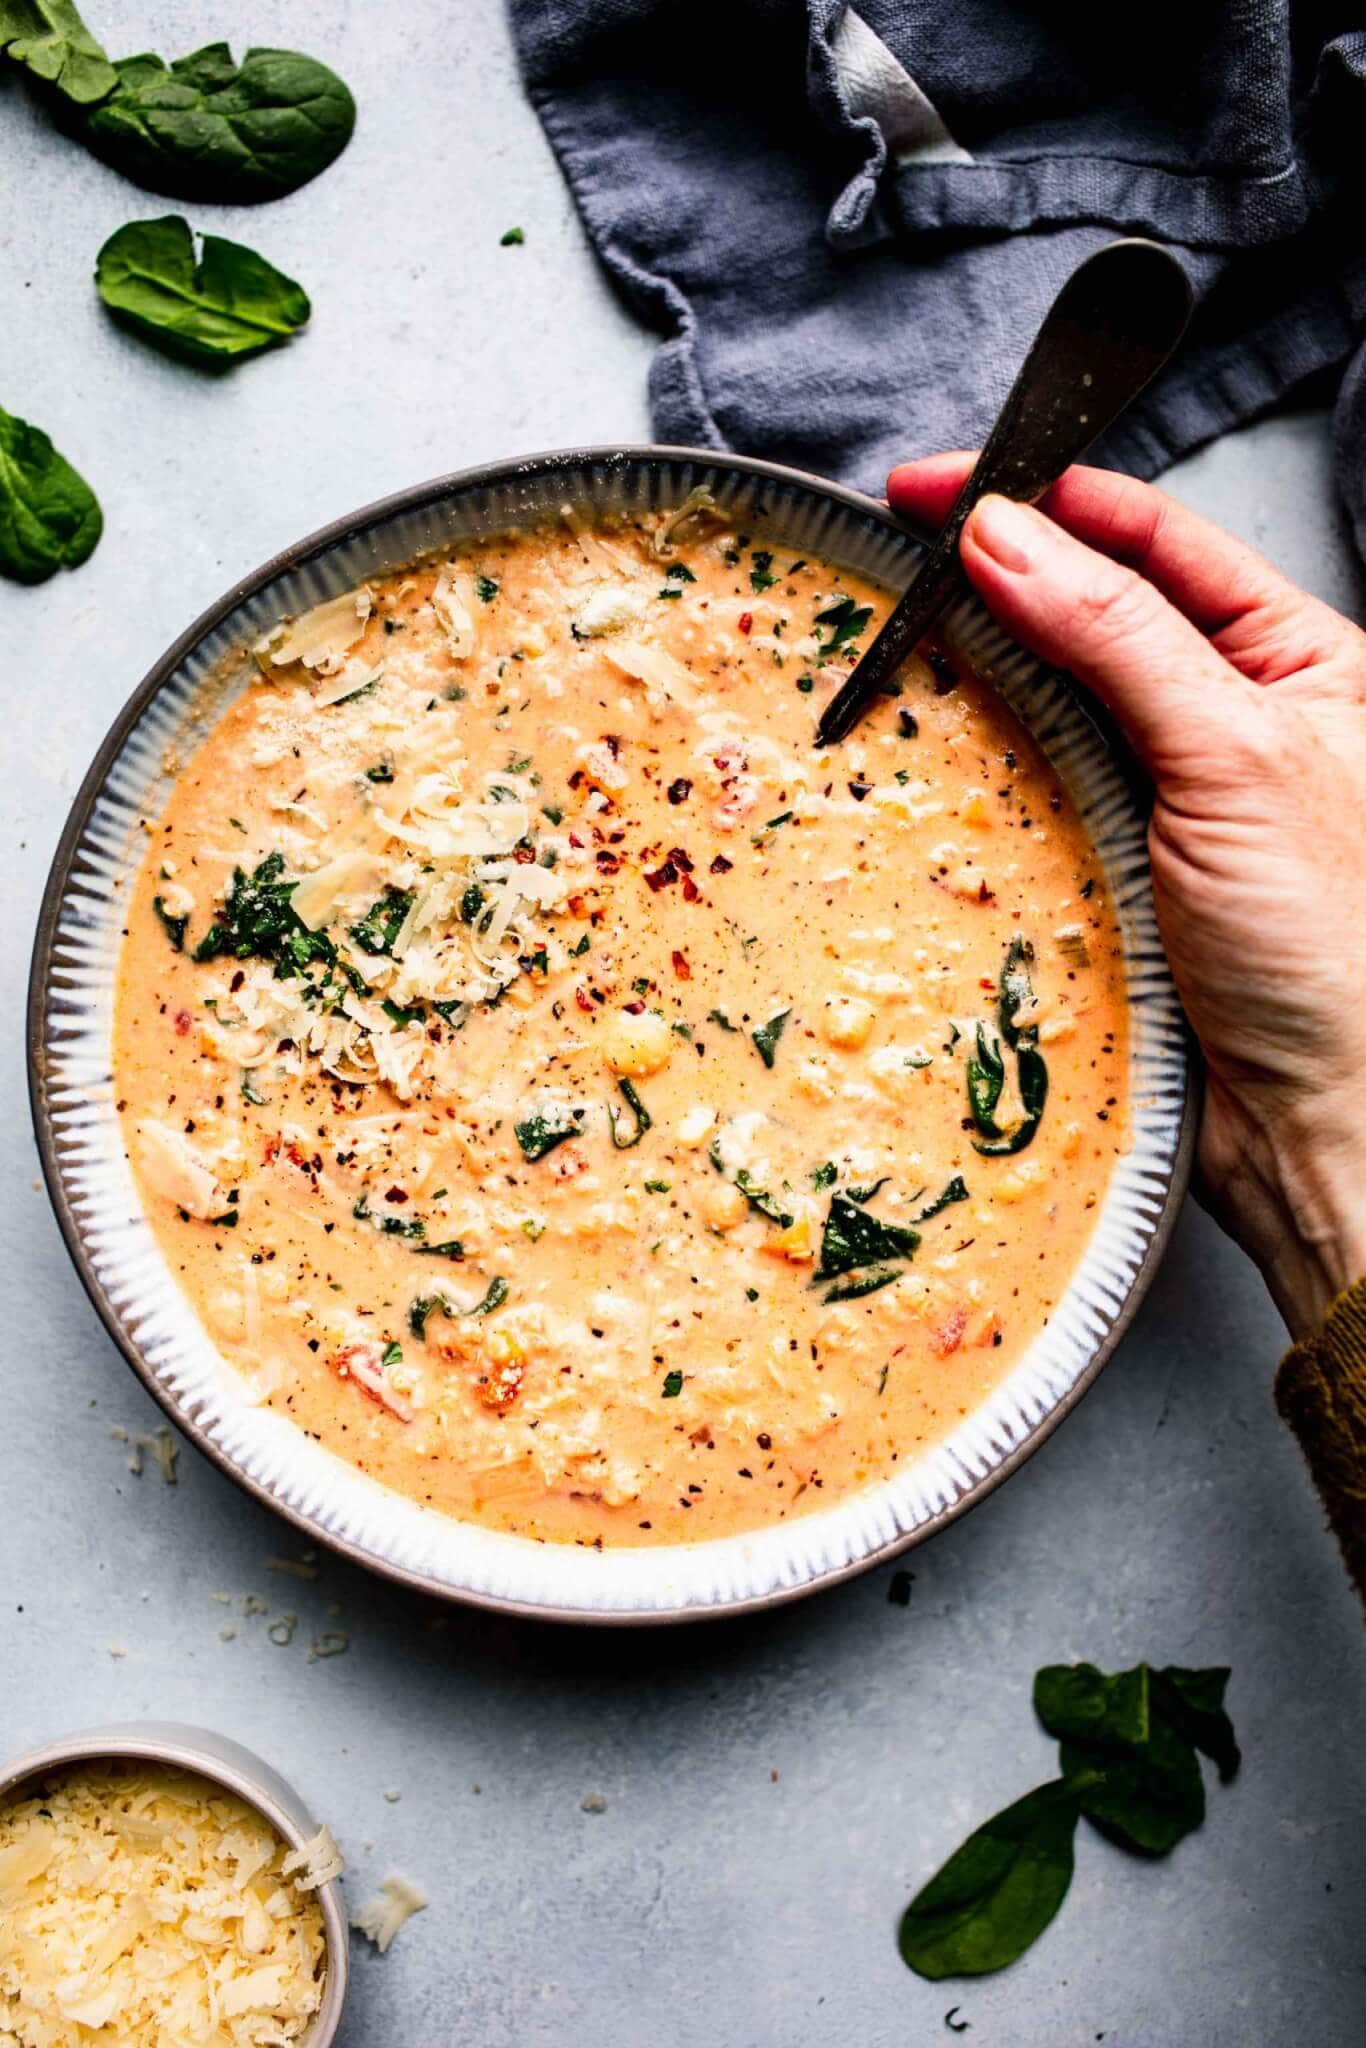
(775, 1789)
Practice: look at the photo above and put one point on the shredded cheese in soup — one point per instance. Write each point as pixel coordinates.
(576, 1100)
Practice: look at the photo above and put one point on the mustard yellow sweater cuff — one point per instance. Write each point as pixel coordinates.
(1321, 1392)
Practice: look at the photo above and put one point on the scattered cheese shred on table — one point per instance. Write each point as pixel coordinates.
(151, 1906)
(380, 1919)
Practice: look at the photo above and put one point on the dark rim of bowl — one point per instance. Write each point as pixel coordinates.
(291, 558)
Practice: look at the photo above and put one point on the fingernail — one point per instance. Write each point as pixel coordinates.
(1008, 532)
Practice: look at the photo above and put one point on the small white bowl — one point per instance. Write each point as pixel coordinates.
(237, 1770)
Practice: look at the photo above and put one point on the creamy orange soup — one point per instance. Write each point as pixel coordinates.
(570, 1096)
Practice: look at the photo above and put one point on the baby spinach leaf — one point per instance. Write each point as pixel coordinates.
(767, 1036)
(205, 127)
(996, 1894)
(761, 1201)
(864, 1283)
(673, 1385)
(1016, 992)
(449, 1248)
(986, 1078)
(1144, 1796)
(51, 41)
(1125, 1751)
(542, 1132)
(426, 1306)
(230, 305)
(825, 1175)
(174, 927)
(985, 1071)
(497, 1294)
(638, 1110)
(854, 1238)
(956, 1191)
(49, 517)
(1193, 1701)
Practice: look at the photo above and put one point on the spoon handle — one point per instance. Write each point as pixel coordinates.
(1108, 332)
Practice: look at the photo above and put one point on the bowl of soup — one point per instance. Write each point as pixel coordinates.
(548, 1128)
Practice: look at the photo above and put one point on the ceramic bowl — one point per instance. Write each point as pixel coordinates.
(225, 1763)
(126, 1274)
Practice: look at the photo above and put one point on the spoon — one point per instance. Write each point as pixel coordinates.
(1107, 334)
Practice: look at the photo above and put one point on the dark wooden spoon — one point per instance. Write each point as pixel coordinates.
(1107, 334)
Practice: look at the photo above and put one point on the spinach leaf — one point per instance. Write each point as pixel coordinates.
(864, 1283)
(50, 40)
(853, 1238)
(956, 1191)
(257, 921)
(1193, 1701)
(761, 1201)
(767, 1036)
(642, 1116)
(450, 1248)
(825, 1175)
(986, 1078)
(382, 922)
(542, 1132)
(392, 1353)
(174, 926)
(1134, 1770)
(426, 1306)
(205, 127)
(996, 1894)
(719, 1018)
(673, 1385)
(230, 305)
(497, 1294)
(846, 621)
(49, 517)
(985, 1072)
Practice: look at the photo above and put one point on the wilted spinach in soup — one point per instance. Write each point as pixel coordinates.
(575, 1100)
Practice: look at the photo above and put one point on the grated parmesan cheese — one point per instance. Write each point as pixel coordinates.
(153, 1907)
(380, 1919)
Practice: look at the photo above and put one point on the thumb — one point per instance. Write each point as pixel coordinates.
(1166, 685)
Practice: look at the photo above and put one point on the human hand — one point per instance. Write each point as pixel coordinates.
(1246, 699)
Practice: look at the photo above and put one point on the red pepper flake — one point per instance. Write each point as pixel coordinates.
(576, 779)
(721, 866)
(634, 1009)
(681, 859)
(985, 895)
(679, 791)
(236, 981)
(396, 1195)
(183, 1020)
(574, 840)
(583, 999)
(524, 855)
(746, 622)
(608, 863)
(691, 892)
(681, 967)
(659, 878)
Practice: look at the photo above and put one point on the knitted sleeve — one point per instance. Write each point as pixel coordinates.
(1321, 1392)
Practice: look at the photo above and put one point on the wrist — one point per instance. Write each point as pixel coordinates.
(1321, 1249)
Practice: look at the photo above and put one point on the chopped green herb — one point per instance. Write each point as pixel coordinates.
(249, 1090)
(761, 1201)
(846, 621)
(679, 572)
(257, 921)
(227, 1221)
(450, 1248)
(751, 1294)
(174, 927)
(501, 794)
(759, 577)
(719, 1017)
(825, 1175)
(767, 1036)
(381, 923)
(395, 1012)
(238, 826)
(454, 693)
(656, 1187)
(426, 1306)
(668, 593)
(518, 763)
(383, 771)
(638, 1110)
(673, 1385)
(806, 684)
(542, 1132)
(392, 1354)
(532, 1229)
(485, 589)
(471, 903)
(553, 812)
(511, 238)
(577, 952)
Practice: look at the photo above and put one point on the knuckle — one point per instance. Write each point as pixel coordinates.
(1115, 604)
